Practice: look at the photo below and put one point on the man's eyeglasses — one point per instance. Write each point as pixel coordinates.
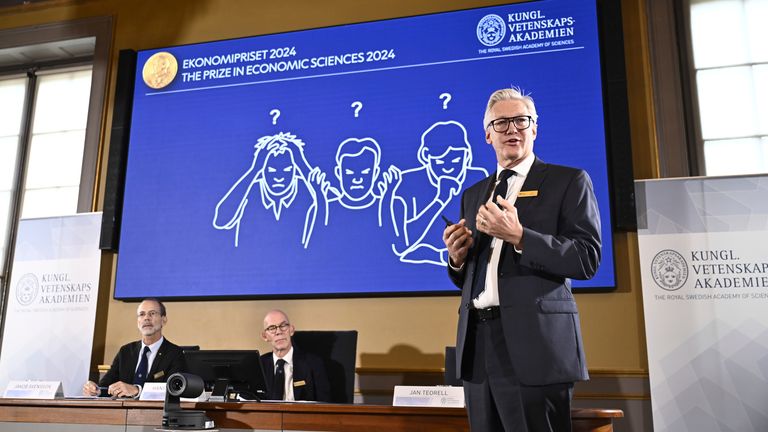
(151, 314)
(501, 125)
(283, 326)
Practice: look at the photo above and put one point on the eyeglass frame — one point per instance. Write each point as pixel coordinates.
(283, 326)
(151, 314)
(511, 121)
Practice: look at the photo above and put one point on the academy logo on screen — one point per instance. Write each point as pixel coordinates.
(669, 270)
(491, 30)
(27, 289)
(160, 70)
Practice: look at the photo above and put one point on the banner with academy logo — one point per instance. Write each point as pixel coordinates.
(51, 304)
(704, 270)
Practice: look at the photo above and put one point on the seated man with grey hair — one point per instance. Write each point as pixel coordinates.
(151, 359)
(291, 374)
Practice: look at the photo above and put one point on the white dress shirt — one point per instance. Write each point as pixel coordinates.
(490, 296)
(153, 349)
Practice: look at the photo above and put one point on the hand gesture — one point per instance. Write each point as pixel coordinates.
(447, 188)
(317, 179)
(501, 223)
(458, 240)
(390, 177)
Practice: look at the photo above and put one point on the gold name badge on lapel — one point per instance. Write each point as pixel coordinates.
(299, 383)
(526, 194)
(158, 375)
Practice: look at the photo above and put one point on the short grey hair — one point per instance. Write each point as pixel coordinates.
(512, 93)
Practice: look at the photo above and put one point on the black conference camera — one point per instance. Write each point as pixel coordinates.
(181, 385)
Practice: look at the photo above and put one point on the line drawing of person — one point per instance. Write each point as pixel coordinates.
(358, 165)
(423, 193)
(284, 179)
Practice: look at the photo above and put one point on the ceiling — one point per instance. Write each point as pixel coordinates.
(46, 52)
(7, 3)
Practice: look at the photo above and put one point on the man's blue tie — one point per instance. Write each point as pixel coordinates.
(278, 385)
(141, 371)
(483, 245)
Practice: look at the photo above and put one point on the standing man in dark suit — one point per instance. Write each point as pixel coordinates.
(291, 374)
(151, 359)
(524, 232)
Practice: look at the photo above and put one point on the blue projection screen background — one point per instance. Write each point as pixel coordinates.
(319, 162)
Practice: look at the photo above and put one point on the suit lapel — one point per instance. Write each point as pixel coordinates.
(269, 369)
(478, 238)
(128, 361)
(134, 353)
(479, 200)
(157, 363)
(299, 374)
(487, 188)
(533, 182)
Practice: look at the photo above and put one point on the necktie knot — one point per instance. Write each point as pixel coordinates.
(501, 187)
(506, 174)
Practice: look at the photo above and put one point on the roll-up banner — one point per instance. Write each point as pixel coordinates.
(49, 322)
(704, 263)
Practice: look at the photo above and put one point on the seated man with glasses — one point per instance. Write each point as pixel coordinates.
(151, 359)
(291, 374)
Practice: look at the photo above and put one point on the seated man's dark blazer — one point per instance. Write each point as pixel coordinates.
(310, 381)
(169, 360)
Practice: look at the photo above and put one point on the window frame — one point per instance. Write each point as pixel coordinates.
(686, 28)
(101, 29)
(691, 95)
(677, 128)
(678, 125)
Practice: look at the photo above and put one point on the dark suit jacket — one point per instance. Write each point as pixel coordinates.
(169, 360)
(561, 240)
(310, 381)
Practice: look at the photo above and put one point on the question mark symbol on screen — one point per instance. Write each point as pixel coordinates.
(357, 105)
(446, 97)
(275, 113)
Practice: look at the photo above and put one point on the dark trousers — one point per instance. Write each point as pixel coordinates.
(496, 400)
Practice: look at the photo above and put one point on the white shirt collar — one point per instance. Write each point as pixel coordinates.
(288, 357)
(520, 169)
(154, 347)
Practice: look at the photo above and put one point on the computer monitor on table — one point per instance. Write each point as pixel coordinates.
(229, 374)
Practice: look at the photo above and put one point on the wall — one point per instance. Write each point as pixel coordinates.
(395, 333)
